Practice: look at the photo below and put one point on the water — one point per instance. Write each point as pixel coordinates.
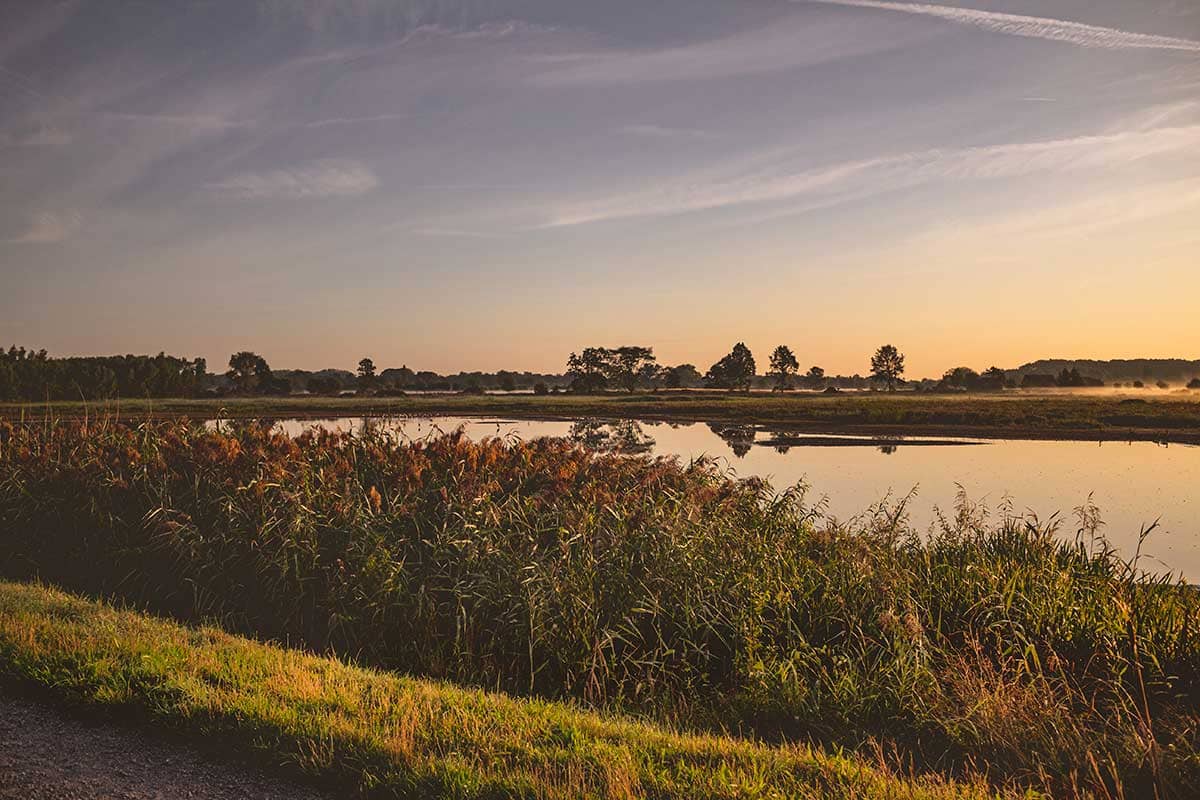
(1133, 484)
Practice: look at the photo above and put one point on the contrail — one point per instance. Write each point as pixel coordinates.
(1056, 30)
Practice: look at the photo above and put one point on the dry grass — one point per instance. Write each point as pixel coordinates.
(394, 737)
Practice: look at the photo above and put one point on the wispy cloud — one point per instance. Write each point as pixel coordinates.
(789, 43)
(49, 227)
(43, 136)
(195, 122)
(325, 123)
(777, 178)
(1084, 217)
(1057, 30)
(327, 178)
(666, 132)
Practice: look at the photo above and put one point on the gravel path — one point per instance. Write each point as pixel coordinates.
(48, 755)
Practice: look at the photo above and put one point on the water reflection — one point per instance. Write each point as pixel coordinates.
(623, 436)
(740, 438)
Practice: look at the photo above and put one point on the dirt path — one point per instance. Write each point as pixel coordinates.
(48, 755)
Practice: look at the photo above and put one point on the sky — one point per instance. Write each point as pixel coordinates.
(491, 184)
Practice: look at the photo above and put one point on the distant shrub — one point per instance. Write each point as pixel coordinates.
(540, 388)
(1139, 385)
(1194, 383)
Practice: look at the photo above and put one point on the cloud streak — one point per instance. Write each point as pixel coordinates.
(650, 131)
(777, 178)
(790, 43)
(49, 227)
(327, 178)
(1056, 30)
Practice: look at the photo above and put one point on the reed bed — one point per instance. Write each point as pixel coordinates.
(995, 644)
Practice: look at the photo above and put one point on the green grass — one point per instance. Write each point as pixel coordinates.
(379, 735)
(1001, 645)
(1113, 414)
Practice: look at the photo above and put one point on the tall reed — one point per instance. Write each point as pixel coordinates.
(646, 584)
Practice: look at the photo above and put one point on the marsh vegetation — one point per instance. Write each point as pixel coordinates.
(642, 585)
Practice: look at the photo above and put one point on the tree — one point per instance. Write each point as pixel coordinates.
(734, 371)
(588, 370)
(624, 365)
(319, 385)
(249, 372)
(887, 365)
(651, 375)
(366, 374)
(783, 366)
(506, 381)
(993, 378)
(815, 378)
(682, 376)
(961, 377)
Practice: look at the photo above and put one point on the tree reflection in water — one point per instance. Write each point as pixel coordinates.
(622, 436)
(740, 438)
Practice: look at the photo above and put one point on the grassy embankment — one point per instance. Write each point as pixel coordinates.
(1107, 414)
(366, 732)
(646, 586)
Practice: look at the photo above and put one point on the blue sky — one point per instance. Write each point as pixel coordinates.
(491, 184)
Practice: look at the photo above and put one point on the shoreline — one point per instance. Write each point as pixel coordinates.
(1174, 420)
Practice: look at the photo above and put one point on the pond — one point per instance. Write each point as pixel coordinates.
(1133, 484)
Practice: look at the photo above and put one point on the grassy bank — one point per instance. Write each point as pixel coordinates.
(368, 733)
(667, 590)
(1106, 414)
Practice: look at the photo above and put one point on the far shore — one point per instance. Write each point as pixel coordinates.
(1086, 415)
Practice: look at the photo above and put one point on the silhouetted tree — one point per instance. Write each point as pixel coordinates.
(588, 370)
(992, 378)
(887, 365)
(366, 375)
(652, 375)
(783, 366)
(624, 365)
(734, 371)
(815, 378)
(249, 372)
(681, 376)
(961, 377)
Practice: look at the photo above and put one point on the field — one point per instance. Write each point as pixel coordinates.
(1087, 414)
(633, 586)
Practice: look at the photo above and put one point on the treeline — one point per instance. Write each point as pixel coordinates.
(598, 369)
(27, 375)
(31, 376)
(249, 373)
(398, 380)
(1173, 371)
